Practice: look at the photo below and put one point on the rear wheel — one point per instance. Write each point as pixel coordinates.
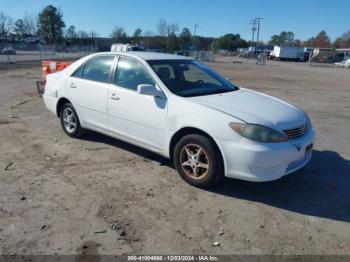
(70, 121)
(198, 160)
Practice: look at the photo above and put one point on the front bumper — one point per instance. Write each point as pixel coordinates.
(252, 161)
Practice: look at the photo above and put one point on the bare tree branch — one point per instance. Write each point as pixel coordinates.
(162, 27)
(6, 24)
(30, 24)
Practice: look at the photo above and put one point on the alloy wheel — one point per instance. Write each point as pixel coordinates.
(194, 161)
(69, 120)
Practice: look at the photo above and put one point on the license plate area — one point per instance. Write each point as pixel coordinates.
(301, 161)
(308, 149)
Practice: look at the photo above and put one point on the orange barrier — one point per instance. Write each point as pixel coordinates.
(49, 67)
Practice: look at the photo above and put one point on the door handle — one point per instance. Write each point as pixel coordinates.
(114, 96)
(72, 85)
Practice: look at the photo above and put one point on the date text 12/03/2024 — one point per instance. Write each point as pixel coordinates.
(173, 258)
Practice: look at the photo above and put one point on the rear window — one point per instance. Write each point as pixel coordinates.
(97, 69)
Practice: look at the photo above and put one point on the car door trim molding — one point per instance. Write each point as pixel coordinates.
(90, 108)
(141, 124)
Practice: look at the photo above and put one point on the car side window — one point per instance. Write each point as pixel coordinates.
(131, 73)
(79, 71)
(97, 69)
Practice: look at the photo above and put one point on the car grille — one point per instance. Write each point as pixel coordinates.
(295, 132)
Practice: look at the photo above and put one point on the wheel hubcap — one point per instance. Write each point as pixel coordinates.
(69, 120)
(194, 161)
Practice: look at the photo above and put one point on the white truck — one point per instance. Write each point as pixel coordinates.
(125, 48)
(287, 53)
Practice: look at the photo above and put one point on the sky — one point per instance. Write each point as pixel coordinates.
(214, 17)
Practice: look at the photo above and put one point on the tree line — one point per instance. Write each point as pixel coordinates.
(50, 26)
(322, 40)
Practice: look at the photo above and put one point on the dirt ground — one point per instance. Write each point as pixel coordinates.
(98, 195)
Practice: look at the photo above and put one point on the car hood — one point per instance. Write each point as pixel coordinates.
(255, 108)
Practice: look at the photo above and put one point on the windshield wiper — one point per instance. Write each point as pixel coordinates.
(215, 92)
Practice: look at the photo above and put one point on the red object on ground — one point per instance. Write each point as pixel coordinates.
(49, 67)
(322, 59)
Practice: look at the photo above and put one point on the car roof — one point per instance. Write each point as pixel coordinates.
(152, 55)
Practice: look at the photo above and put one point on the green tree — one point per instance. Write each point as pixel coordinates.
(283, 39)
(71, 34)
(19, 28)
(214, 47)
(275, 40)
(50, 24)
(185, 38)
(298, 43)
(231, 42)
(119, 35)
(288, 37)
(137, 36)
(172, 43)
(137, 33)
(203, 43)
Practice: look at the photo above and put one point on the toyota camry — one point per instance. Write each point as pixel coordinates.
(183, 110)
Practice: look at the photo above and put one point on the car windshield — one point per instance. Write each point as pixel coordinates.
(189, 78)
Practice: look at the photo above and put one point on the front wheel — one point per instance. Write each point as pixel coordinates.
(198, 161)
(70, 121)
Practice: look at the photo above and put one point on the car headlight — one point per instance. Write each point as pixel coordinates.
(259, 133)
(308, 121)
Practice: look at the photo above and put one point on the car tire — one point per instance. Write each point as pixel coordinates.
(198, 160)
(70, 121)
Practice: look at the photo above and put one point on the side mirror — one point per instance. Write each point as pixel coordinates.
(149, 90)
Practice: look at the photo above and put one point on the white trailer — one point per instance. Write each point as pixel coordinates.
(288, 53)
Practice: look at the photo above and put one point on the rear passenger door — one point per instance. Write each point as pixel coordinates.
(88, 89)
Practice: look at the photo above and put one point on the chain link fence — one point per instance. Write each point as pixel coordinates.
(20, 53)
(203, 55)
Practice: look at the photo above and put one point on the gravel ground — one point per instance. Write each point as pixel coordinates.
(98, 195)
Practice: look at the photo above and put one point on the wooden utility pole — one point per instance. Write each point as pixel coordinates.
(258, 20)
(194, 35)
(253, 23)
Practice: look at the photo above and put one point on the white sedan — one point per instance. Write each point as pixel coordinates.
(345, 63)
(181, 109)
